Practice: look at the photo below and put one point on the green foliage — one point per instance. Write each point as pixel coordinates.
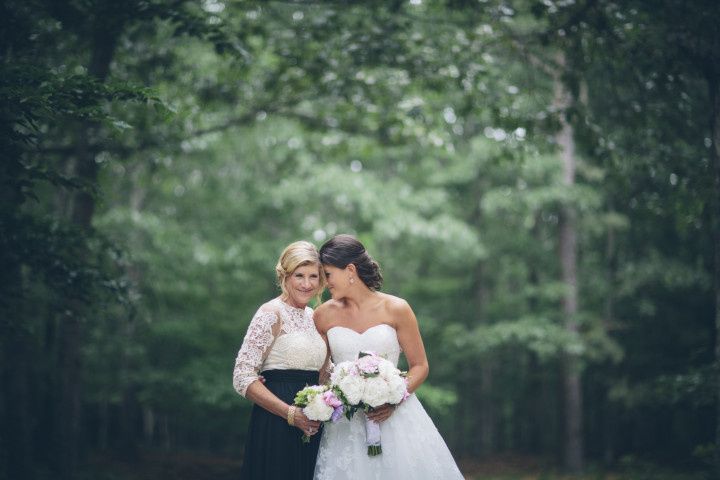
(437, 400)
(222, 131)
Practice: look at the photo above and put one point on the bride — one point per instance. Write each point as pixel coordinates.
(358, 317)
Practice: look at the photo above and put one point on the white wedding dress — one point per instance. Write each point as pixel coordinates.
(412, 448)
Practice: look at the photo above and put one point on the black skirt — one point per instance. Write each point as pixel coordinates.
(274, 449)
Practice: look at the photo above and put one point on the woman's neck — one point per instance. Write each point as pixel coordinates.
(360, 297)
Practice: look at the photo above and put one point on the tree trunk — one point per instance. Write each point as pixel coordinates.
(487, 419)
(131, 411)
(103, 425)
(536, 417)
(460, 420)
(81, 211)
(15, 328)
(608, 409)
(68, 411)
(127, 447)
(16, 435)
(129, 408)
(573, 441)
(148, 426)
(487, 409)
(166, 436)
(714, 87)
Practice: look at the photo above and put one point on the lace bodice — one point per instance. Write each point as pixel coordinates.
(279, 337)
(345, 343)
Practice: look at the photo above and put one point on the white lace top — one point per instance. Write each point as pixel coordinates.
(280, 337)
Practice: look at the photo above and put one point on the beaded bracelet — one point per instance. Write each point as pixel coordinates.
(291, 415)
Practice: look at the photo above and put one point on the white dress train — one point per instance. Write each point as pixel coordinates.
(412, 448)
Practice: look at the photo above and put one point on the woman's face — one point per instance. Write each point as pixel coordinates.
(303, 284)
(338, 280)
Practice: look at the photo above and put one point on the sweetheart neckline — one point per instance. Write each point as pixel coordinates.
(364, 331)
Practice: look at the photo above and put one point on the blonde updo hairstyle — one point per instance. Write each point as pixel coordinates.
(296, 255)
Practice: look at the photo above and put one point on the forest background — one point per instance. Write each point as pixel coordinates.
(540, 179)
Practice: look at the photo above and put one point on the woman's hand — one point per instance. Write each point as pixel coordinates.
(309, 427)
(381, 413)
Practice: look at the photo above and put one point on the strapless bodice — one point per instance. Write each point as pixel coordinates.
(346, 343)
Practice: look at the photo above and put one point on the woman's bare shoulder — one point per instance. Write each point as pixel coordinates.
(394, 304)
(398, 309)
(328, 307)
(325, 313)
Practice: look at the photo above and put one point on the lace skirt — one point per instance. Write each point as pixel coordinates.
(274, 449)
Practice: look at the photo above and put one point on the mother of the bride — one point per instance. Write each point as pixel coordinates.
(283, 346)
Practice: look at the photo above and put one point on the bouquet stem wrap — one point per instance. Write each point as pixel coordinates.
(372, 437)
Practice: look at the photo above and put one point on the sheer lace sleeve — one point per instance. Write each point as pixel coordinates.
(255, 347)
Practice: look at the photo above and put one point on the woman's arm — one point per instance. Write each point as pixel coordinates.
(260, 336)
(411, 343)
(259, 394)
(258, 341)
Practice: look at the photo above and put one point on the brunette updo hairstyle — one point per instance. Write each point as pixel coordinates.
(342, 250)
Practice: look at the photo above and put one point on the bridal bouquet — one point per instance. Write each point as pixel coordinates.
(367, 383)
(319, 403)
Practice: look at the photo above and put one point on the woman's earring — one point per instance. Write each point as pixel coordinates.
(352, 280)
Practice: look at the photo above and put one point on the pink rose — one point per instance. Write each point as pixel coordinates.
(331, 400)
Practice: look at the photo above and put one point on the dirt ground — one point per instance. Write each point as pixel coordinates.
(198, 466)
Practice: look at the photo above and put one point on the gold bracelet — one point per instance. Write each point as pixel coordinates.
(291, 416)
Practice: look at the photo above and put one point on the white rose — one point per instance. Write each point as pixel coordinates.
(375, 392)
(340, 371)
(397, 387)
(387, 370)
(352, 388)
(317, 409)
